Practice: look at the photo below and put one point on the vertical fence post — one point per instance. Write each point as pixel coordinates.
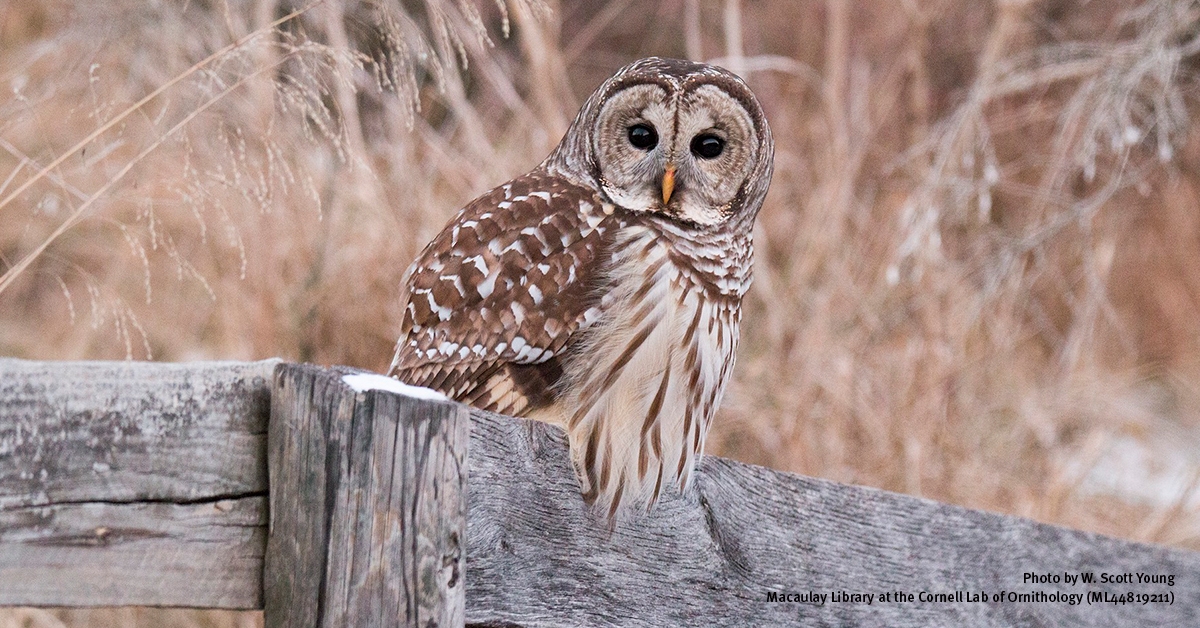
(367, 505)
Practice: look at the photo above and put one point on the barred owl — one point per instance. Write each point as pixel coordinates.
(602, 291)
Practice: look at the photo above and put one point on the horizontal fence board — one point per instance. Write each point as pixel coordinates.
(133, 483)
(537, 557)
(126, 431)
(161, 554)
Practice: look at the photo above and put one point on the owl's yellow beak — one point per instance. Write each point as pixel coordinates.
(668, 183)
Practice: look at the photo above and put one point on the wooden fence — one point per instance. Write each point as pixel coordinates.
(126, 483)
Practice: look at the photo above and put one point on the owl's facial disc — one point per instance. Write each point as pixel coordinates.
(715, 150)
(681, 154)
(632, 140)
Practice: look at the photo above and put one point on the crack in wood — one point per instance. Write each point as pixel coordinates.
(198, 501)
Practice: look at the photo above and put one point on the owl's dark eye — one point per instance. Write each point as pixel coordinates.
(643, 136)
(707, 146)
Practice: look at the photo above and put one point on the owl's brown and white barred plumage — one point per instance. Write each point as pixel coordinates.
(602, 291)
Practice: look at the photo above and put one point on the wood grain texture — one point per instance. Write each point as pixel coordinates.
(368, 505)
(93, 554)
(537, 557)
(126, 483)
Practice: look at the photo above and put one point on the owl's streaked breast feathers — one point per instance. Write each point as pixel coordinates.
(602, 291)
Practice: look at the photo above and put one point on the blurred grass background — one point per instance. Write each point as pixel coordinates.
(978, 269)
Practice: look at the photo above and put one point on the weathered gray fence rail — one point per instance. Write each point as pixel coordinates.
(128, 483)
(133, 483)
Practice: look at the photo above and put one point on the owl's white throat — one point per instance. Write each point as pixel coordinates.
(683, 206)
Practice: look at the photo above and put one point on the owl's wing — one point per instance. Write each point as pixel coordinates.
(494, 299)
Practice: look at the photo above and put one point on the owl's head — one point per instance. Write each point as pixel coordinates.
(687, 141)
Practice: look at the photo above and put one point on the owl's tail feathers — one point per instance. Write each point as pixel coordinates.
(623, 477)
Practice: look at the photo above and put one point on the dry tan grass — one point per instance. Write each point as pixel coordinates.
(977, 266)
